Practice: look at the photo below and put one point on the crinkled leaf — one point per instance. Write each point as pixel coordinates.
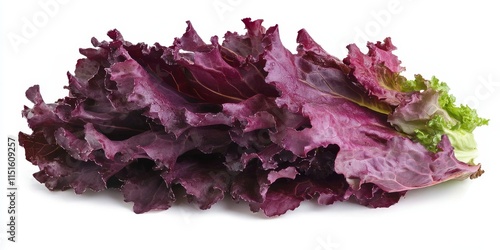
(146, 189)
(248, 118)
(205, 179)
(430, 112)
(332, 118)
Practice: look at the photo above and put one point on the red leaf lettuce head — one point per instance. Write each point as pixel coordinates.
(248, 119)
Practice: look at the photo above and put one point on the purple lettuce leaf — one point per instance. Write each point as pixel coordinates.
(378, 71)
(332, 118)
(371, 195)
(213, 75)
(146, 188)
(204, 178)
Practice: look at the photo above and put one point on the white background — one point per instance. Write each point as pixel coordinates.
(457, 41)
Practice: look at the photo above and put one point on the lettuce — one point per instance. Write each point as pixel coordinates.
(248, 119)
(445, 117)
(422, 109)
